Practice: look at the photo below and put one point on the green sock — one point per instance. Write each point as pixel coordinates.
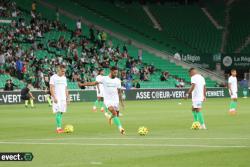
(200, 117)
(195, 116)
(232, 105)
(26, 102)
(117, 122)
(101, 104)
(59, 120)
(49, 100)
(106, 109)
(96, 103)
(235, 105)
(31, 102)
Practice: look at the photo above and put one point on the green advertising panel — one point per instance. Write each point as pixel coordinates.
(207, 61)
(136, 94)
(237, 61)
(161, 94)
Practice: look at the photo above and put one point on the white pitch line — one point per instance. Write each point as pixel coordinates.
(133, 138)
(127, 145)
(95, 163)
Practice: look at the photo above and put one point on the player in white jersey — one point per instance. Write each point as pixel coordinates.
(99, 92)
(198, 91)
(60, 96)
(112, 94)
(233, 90)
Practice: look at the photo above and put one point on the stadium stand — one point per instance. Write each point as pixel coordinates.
(239, 26)
(45, 43)
(216, 9)
(188, 24)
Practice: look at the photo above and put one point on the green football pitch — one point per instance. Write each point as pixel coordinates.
(170, 141)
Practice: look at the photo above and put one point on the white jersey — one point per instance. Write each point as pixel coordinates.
(198, 92)
(60, 84)
(233, 81)
(98, 79)
(110, 89)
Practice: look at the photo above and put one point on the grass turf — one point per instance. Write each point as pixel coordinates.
(170, 141)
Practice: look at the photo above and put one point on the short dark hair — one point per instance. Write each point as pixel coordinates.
(191, 69)
(233, 70)
(61, 66)
(113, 68)
(100, 70)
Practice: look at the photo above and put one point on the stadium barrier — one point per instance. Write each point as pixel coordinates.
(14, 97)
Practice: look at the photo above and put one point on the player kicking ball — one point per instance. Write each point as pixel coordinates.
(112, 94)
(198, 91)
(60, 96)
(233, 90)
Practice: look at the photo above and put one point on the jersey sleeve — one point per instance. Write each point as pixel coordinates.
(204, 81)
(230, 80)
(119, 85)
(51, 81)
(99, 79)
(193, 80)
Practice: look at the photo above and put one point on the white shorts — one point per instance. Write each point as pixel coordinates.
(100, 94)
(234, 95)
(112, 104)
(197, 104)
(60, 106)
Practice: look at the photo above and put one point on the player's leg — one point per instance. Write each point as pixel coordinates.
(233, 104)
(48, 99)
(195, 116)
(101, 104)
(201, 118)
(58, 120)
(114, 116)
(197, 106)
(63, 109)
(96, 104)
(26, 102)
(58, 109)
(116, 119)
(107, 114)
(31, 102)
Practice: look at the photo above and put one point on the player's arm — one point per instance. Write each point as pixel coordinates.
(230, 87)
(120, 97)
(88, 83)
(67, 94)
(98, 88)
(204, 92)
(31, 95)
(190, 90)
(52, 91)
(46, 90)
